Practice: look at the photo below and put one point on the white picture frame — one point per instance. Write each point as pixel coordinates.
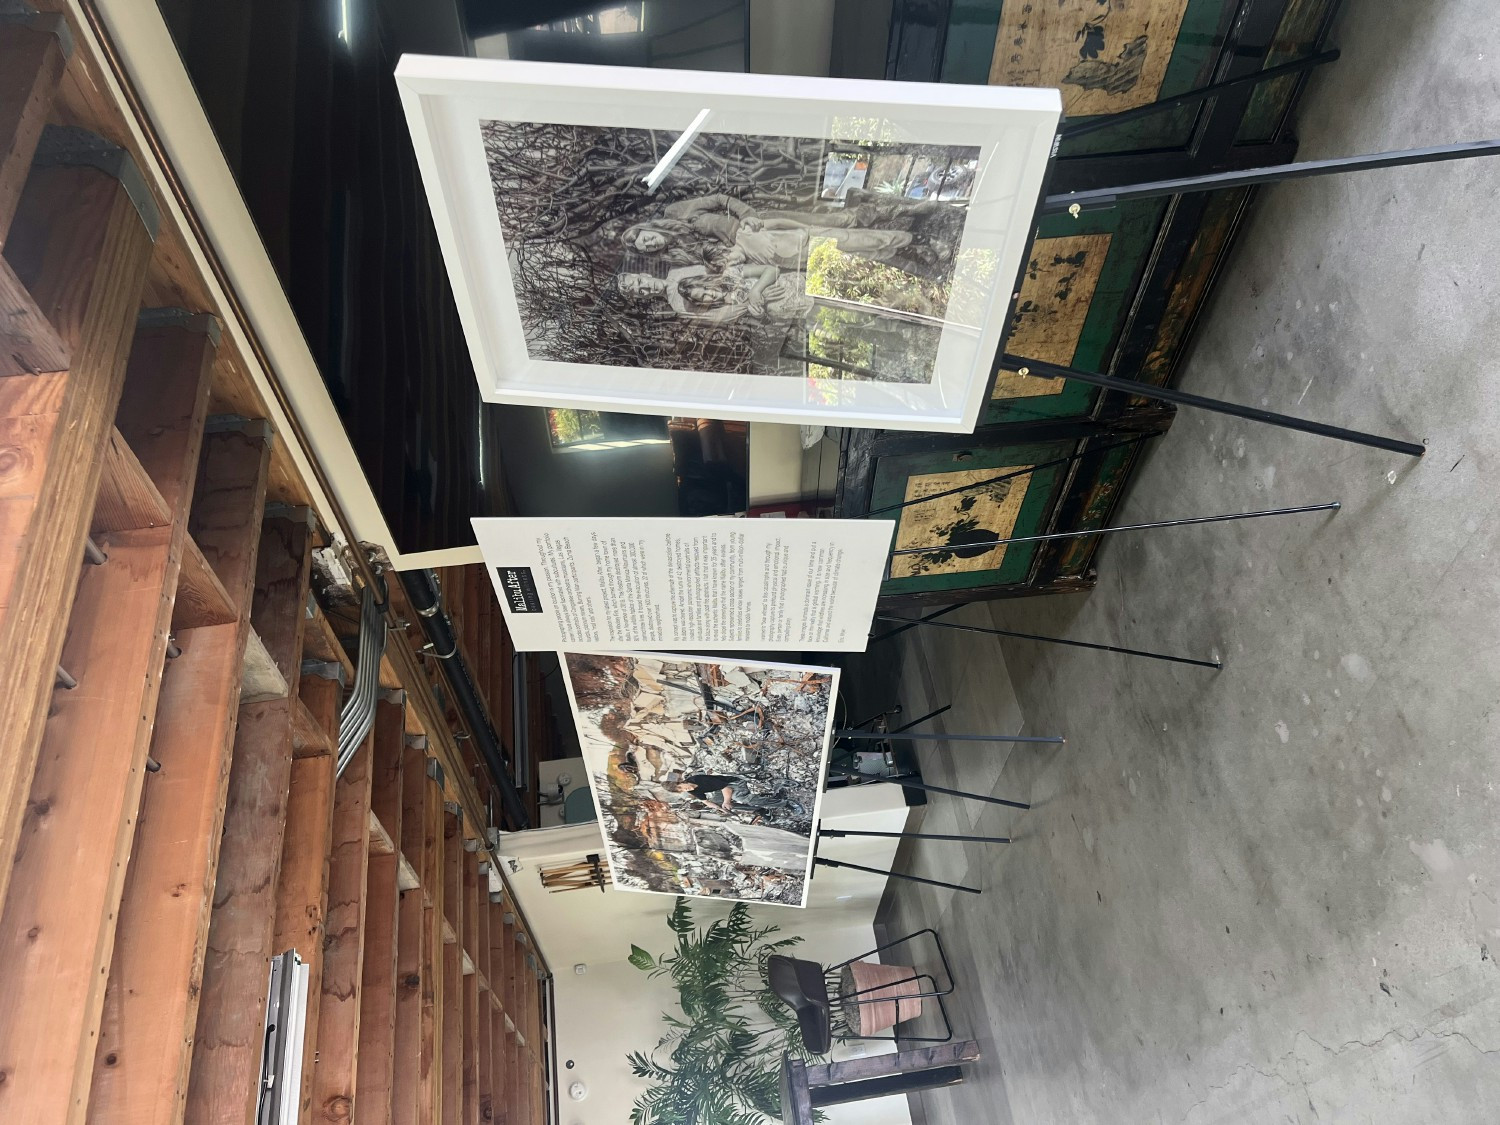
(581, 330)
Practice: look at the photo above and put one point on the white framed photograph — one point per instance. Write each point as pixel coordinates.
(707, 774)
(757, 247)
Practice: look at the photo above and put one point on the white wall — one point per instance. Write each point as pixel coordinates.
(613, 1008)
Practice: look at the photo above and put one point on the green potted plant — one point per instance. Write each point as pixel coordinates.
(720, 1061)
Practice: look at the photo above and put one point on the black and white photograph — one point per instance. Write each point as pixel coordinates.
(750, 247)
(758, 255)
(707, 774)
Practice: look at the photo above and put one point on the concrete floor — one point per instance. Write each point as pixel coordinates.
(1268, 894)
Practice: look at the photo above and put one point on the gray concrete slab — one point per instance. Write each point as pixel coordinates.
(1272, 894)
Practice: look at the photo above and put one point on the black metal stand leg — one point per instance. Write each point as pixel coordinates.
(821, 862)
(1059, 641)
(839, 833)
(943, 710)
(889, 633)
(927, 787)
(935, 736)
(1332, 507)
(1183, 398)
(1073, 202)
(1200, 94)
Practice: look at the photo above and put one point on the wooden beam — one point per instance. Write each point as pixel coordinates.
(411, 973)
(486, 1043)
(31, 66)
(201, 597)
(324, 644)
(151, 1004)
(81, 248)
(127, 497)
(29, 345)
(377, 1000)
(232, 1008)
(88, 777)
(336, 1068)
(302, 882)
(453, 969)
(418, 1069)
(470, 934)
(310, 738)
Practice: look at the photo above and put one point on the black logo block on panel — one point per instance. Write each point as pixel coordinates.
(520, 589)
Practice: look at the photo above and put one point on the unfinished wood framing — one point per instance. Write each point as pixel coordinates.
(302, 882)
(80, 247)
(88, 776)
(231, 1014)
(151, 1005)
(162, 834)
(453, 967)
(335, 1069)
(378, 979)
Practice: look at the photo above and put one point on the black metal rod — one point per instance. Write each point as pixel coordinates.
(1301, 170)
(889, 633)
(840, 833)
(937, 736)
(1331, 507)
(943, 710)
(1059, 641)
(821, 862)
(927, 787)
(1200, 94)
(1218, 406)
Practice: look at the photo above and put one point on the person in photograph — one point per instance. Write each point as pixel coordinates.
(721, 230)
(761, 293)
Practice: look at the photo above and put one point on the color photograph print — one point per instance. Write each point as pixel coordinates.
(955, 526)
(758, 255)
(707, 774)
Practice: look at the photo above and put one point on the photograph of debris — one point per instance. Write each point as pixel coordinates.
(707, 774)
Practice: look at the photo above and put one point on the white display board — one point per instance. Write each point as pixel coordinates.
(712, 584)
(758, 247)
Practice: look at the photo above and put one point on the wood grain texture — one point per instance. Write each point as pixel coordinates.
(375, 1077)
(127, 497)
(29, 345)
(232, 1007)
(201, 597)
(452, 1012)
(31, 66)
(151, 1003)
(335, 1073)
(486, 1014)
(470, 937)
(431, 1071)
(88, 778)
(407, 1045)
(78, 245)
(309, 737)
(86, 786)
(302, 882)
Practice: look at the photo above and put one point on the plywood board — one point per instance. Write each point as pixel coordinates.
(948, 523)
(1058, 287)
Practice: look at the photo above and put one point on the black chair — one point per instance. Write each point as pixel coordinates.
(808, 988)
